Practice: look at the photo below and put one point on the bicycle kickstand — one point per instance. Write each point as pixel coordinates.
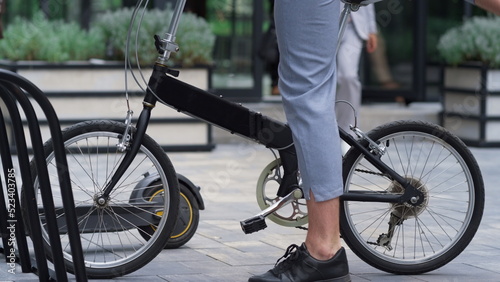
(258, 222)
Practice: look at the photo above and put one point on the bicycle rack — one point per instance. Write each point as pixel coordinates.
(16, 90)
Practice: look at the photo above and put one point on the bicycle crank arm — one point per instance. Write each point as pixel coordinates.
(258, 222)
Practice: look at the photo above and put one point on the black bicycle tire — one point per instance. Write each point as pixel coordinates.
(166, 165)
(180, 240)
(403, 268)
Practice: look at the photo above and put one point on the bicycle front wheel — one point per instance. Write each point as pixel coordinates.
(111, 233)
(406, 238)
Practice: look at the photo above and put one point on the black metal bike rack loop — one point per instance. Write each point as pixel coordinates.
(16, 90)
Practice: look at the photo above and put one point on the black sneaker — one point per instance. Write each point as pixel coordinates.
(299, 265)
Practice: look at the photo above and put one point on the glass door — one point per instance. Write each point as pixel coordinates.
(235, 24)
(393, 69)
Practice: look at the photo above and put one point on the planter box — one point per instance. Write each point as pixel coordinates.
(94, 76)
(471, 103)
(82, 91)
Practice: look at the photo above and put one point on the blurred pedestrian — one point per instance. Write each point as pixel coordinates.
(361, 30)
(269, 52)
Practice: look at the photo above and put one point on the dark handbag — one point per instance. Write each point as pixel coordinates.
(268, 48)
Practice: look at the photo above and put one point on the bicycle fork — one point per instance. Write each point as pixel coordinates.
(131, 143)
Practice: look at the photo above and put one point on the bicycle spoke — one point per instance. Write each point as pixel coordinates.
(413, 234)
(125, 227)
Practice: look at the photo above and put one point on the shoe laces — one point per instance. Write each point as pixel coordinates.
(284, 262)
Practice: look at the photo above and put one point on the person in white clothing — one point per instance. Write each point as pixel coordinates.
(361, 28)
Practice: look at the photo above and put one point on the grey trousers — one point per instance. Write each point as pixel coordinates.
(307, 32)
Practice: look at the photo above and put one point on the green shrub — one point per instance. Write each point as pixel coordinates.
(436, 27)
(57, 41)
(478, 39)
(52, 41)
(194, 36)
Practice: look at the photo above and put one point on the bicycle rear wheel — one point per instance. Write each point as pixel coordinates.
(408, 239)
(112, 242)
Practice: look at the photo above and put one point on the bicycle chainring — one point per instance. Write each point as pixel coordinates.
(292, 215)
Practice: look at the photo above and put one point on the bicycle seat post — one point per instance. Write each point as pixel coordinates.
(348, 8)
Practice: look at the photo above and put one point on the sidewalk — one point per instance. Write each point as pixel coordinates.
(220, 251)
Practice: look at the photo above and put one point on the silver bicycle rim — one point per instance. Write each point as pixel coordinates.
(90, 169)
(292, 215)
(429, 230)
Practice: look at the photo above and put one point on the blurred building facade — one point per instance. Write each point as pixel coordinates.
(409, 29)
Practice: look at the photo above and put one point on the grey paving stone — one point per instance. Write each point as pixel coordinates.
(221, 252)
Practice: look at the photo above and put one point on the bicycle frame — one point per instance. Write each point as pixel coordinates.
(242, 121)
(262, 129)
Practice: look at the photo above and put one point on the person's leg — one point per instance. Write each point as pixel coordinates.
(323, 235)
(307, 35)
(273, 71)
(348, 84)
(380, 65)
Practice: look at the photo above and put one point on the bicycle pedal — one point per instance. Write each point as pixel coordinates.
(253, 224)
